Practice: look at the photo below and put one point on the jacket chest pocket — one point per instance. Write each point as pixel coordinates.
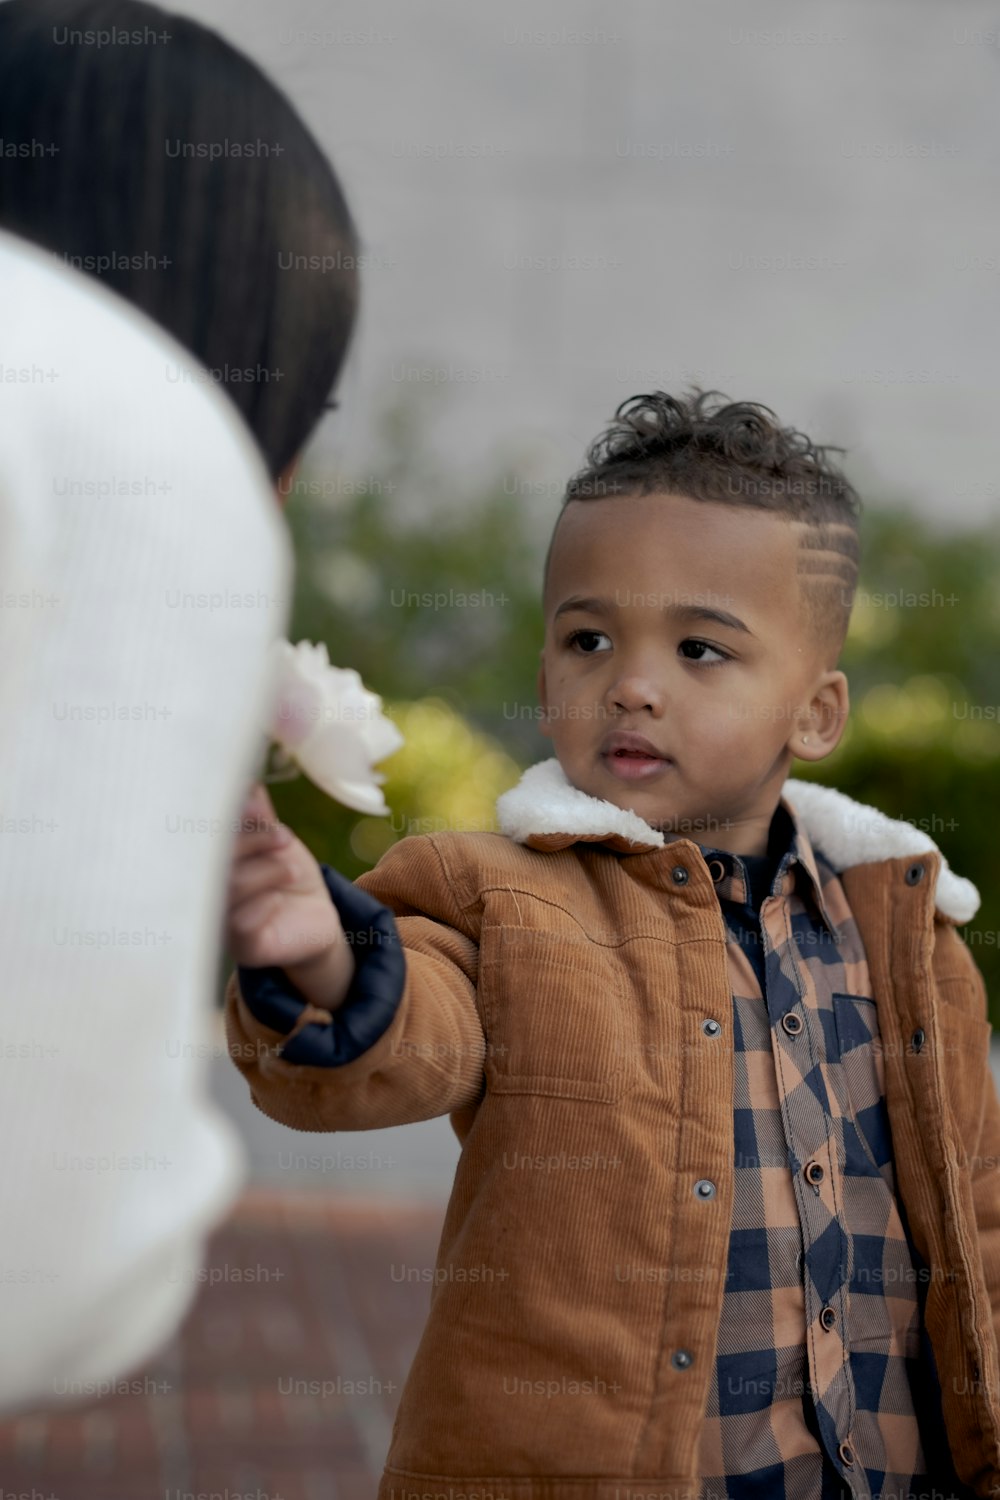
(554, 1009)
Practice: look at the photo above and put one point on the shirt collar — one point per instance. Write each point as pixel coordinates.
(797, 866)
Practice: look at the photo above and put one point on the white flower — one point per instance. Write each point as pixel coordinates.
(327, 722)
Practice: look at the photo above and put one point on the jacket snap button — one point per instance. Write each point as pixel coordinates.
(716, 869)
(711, 1028)
(792, 1023)
(917, 1039)
(680, 875)
(846, 1455)
(704, 1188)
(682, 1359)
(828, 1317)
(914, 875)
(814, 1172)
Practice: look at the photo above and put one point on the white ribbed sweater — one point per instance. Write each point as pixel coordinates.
(132, 684)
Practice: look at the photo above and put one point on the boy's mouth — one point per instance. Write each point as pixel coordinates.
(632, 757)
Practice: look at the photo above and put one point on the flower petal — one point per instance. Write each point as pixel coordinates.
(332, 725)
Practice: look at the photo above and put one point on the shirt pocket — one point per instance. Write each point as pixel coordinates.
(554, 1012)
(862, 1070)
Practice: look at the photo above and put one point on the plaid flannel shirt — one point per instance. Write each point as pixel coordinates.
(825, 1383)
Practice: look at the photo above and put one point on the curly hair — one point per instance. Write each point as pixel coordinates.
(706, 447)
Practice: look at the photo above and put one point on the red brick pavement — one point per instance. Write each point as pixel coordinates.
(254, 1396)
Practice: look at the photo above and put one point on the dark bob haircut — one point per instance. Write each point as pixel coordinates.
(143, 149)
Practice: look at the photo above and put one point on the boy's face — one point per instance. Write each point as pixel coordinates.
(677, 673)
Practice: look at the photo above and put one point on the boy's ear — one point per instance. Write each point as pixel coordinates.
(817, 733)
(543, 698)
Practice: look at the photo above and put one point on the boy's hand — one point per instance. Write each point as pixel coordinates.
(278, 909)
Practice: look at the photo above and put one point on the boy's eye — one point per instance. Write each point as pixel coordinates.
(586, 641)
(697, 652)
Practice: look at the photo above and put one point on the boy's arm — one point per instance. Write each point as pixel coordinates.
(406, 1044)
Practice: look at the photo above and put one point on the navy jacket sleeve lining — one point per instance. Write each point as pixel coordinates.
(372, 1000)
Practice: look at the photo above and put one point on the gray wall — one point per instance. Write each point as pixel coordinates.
(566, 203)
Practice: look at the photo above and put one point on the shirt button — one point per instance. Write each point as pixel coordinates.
(792, 1023)
(814, 1172)
(704, 1188)
(711, 1028)
(828, 1317)
(846, 1455)
(682, 1359)
(680, 875)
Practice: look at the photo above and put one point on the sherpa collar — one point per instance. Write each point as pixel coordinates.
(546, 812)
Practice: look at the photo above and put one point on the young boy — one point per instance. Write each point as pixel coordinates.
(715, 1052)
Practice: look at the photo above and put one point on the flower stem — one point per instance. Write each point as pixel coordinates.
(280, 766)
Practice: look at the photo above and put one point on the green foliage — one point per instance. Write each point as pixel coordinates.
(426, 592)
(434, 596)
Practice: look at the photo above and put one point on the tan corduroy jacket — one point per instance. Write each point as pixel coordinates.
(558, 974)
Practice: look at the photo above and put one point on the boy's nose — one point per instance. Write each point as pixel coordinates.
(633, 694)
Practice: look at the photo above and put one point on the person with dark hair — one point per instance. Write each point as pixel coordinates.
(176, 172)
(725, 1220)
(177, 292)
